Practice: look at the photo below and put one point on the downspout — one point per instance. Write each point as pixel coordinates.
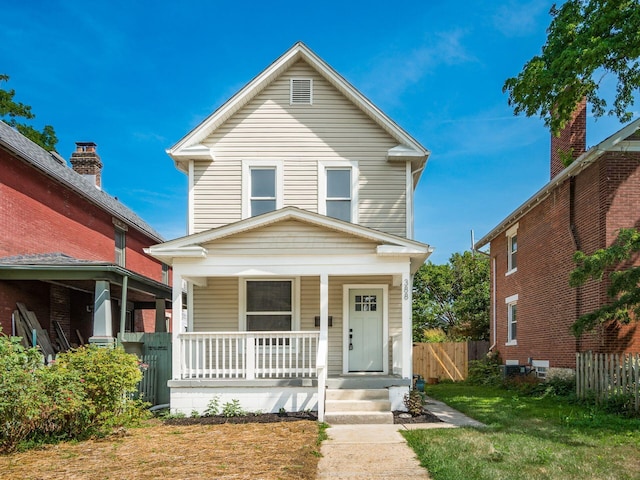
(493, 306)
(576, 245)
(123, 304)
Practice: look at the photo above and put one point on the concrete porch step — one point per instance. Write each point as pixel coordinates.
(343, 406)
(357, 418)
(358, 406)
(357, 394)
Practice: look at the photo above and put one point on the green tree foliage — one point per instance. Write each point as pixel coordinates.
(83, 393)
(10, 111)
(624, 280)
(586, 40)
(453, 297)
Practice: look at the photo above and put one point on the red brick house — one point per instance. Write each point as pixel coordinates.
(581, 208)
(70, 252)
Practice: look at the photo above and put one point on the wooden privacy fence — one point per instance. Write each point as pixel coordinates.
(608, 375)
(448, 360)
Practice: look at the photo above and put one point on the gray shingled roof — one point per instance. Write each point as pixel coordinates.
(55, 258)
(44, 161)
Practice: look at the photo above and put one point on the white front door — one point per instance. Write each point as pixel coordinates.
(365, 330)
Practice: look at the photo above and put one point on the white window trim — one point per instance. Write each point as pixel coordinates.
(512, 300)
(513, 231)
(291, 102)
(247, 165)
(323, 165)
(242, 300)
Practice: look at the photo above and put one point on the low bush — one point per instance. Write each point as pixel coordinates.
(413, 401)
(487, 371)
(83, 393)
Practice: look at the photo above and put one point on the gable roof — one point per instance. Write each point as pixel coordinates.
(39, 158)
(190, 147)
(619, 141)
(191, 245)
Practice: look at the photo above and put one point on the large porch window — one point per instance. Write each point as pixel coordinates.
(269, 305)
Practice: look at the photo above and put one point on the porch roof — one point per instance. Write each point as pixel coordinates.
(80, 274)
(386, 245)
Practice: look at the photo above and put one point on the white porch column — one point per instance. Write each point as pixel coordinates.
(176, 325)
(102, 315)
(323, 345)
(407, 326)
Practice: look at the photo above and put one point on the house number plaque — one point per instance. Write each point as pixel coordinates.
(406, 289)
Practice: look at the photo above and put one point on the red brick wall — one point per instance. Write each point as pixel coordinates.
(604, 197)
(38, 215)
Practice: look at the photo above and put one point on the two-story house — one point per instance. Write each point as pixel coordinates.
(71, 253)
(299, 255)
(581, 208)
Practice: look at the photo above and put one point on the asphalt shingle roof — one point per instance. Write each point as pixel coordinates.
(45, 162)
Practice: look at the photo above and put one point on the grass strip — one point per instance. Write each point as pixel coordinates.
(527, 438)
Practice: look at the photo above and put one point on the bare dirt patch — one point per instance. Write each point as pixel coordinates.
(282, 450)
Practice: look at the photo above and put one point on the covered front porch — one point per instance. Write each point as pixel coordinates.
(281, 305)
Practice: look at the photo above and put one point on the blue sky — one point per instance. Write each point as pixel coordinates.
(135, 76)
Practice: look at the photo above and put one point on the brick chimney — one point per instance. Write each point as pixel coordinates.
(572, 139)
(86, 161)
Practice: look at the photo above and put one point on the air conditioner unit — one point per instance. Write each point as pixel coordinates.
(513, 370)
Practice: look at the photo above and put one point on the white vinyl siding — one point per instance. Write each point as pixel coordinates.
(291, 237)
(269, 128)
(216, 305)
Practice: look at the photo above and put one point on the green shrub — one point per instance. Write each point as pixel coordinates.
(213, 407)
(487, 371)
(233, 409)
(434, 335)
(110, 377)
(413, 401)
(84, 392)
(621, 404)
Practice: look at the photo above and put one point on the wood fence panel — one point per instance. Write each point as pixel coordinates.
(608, 375)
(441, 360)
(477, 349)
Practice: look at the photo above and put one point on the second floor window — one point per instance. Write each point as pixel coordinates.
(121, 247)
(512, 249)
(263, 190)
(339, 193)
(262, 186)
(338, 189)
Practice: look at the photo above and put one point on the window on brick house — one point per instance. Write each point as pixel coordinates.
(512, 319)
(165, 274)
(121, 247)
(512, 249)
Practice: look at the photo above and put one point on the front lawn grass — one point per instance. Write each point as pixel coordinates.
(527, 438)
(269, 451)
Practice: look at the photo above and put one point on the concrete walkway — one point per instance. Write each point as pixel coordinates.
(379, 451)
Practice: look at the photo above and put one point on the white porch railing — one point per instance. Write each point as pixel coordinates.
(248, 355)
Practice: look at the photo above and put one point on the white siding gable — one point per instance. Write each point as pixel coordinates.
(331, 128)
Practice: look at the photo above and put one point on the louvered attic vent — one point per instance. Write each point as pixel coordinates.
(301, 91)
